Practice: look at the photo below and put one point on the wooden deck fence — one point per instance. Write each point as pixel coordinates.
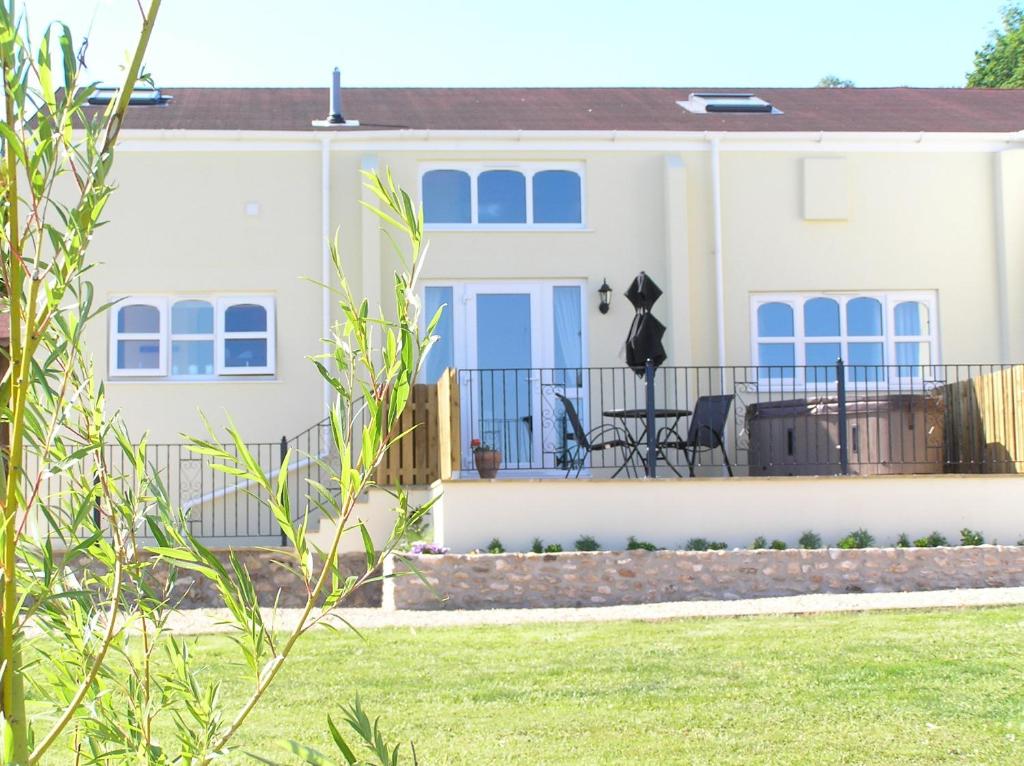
(985, 422)
(433, 450)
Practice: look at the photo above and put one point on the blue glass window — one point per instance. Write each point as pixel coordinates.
(442, 354)
(446, 197)
(557, 197)
(138, 318)
(775, 320)
(863, 317)
(245, 317)
(821, 319)
(245, 352)
(192, 318)
(911, 318)
(501, 197)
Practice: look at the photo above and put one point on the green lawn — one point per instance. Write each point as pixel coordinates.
(886, 688)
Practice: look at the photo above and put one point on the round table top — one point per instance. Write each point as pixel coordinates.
(640, 412)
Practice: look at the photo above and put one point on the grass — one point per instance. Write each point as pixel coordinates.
(942, 687)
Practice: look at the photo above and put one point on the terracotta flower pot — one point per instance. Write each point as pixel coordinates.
(488, 461)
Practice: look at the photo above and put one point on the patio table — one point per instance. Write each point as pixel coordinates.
(626, 415)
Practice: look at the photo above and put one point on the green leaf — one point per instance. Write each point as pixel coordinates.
(339, 741)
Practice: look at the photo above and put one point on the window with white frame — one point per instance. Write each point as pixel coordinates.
(799, 337)
(191, 337)
(501, 195)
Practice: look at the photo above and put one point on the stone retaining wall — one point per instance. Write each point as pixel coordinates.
(274, 577)
(488, 581)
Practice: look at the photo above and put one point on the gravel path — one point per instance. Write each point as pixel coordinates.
(212, 620)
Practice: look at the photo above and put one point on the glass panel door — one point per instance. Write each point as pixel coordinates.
(502, 324)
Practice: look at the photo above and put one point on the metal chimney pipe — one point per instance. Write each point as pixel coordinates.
(335, 117)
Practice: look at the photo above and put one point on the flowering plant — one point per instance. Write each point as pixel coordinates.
(422, 548)
(479, 446)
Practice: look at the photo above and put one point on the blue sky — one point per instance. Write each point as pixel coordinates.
(539, 42)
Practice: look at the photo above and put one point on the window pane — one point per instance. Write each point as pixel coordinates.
(866, 360)
(245, 317)
(913, 357)
(501, 197)
(245, 352)
(556, 197)
(775, 320)
(446, 196)
(821, 318)
(191, 318)
(138, 318)
(442, 354)
(138, 355)
(192, 357)
(911, 319)
(568, 328)
(864, 317)
(821, 361)
(776, 360)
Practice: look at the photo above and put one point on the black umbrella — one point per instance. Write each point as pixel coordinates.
(645, 332)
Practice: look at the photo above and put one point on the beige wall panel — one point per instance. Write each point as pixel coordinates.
(178, 225)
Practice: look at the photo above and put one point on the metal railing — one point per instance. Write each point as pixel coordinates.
(783, 420)
(219, 508)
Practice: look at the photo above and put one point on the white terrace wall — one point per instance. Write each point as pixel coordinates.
(668, 512)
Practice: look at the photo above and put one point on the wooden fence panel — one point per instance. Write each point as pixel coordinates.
(985, 422)
(431, 451)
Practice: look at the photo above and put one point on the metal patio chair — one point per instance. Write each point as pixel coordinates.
(706, 432)
(595, 440)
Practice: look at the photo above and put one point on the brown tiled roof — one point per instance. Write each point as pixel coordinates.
(600, 109)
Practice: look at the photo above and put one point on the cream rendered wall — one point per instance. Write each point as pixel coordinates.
(1010, 175)
(917, 221)
(177, 224)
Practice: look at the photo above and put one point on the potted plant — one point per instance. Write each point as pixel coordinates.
(486, 458)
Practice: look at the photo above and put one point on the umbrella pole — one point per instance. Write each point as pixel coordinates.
(651, 463)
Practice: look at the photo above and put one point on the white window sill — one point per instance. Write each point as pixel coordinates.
(163, 380)
(518, 228)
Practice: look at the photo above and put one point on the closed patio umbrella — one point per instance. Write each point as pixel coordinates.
(645, 332)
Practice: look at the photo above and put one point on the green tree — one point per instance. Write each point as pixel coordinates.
(82, 613)
(1000, 63)
(831, 81)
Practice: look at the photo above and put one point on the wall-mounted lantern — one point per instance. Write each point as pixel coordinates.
(605, 293)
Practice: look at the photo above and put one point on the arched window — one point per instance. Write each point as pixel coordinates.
(446, 197)
(866, 354)
(192, 338)
(136, 340)
(557, 197)
(501, 196)
(246, 336)
(913, 331)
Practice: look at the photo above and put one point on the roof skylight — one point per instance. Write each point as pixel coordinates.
(104, 94)
(708, 103)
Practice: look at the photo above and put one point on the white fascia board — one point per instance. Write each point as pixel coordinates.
(560, 141)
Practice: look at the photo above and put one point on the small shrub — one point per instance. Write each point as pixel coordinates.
(538, 545)
(587, 543)
(427, 549)
(970, 537)
(495, 546)
(859, 538)
(701, 544)
(810, 540)
(934, 540)
(639, 545)
(759, 543)
(553, 548)
(778, 545)
(903, 541)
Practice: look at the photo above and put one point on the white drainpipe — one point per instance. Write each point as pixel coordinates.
(325, 254)
(716, 205)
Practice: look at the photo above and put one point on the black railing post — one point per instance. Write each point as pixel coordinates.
(651, 464)
(283, 454)
(844, 454)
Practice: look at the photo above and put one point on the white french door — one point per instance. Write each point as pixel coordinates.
(512, 342)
